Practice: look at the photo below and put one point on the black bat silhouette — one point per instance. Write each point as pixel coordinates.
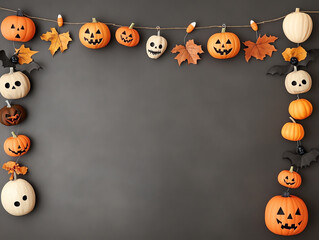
(312, 54)
(26, 69)
(301, 160)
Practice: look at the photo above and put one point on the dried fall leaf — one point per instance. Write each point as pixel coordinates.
(188, 52)
(261, 48)
(24, 54)
(57, 40)
(12, 167)
(300, 53)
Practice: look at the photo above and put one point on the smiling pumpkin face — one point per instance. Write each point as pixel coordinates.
(127, 36)
(223, 45)
(95, 34)
(17, 145)
(12, 115)
(289, 179)
(286, 215)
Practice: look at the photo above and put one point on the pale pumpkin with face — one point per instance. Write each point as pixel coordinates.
(298, 82)
(14, 85)
(155, 46)
(18, 197)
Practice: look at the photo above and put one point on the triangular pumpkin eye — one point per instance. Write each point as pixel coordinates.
(98, 31)
(12, 26)
(280, 212)
(130, 35)
(217, 42)
(87, 31)
(298, 212)
(124, 33)
(287, 177)
(228, 42)
(22, 28)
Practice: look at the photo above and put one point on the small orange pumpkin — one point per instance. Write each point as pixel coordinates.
(95, 34)
(293, 131)
(300, 109)
(16, 146)
(286, 215)
(289, 178)
(223, 45)
(18, 28)
(127, 36)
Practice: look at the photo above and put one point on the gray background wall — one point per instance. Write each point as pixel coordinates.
(124, 147)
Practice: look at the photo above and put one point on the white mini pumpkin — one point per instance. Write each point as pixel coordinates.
(14, 85)
(298, 82)
(297, 26)
(18, 197)
(155, 46)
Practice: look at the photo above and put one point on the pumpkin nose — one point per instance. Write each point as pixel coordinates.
(289, 217)
(18, 29)
(223, 45)
(299, 85)
(92, 35)
(13, 87)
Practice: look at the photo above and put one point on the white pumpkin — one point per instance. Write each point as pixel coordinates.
(18, 197)
(14, 85)
(297, 26)
(155, 46)
(298, 82)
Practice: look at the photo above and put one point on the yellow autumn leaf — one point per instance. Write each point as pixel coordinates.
(58, 41)
(300, 53)
(24, 54)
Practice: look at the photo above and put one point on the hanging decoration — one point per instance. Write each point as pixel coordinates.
(301, 158)
(17, 145)
(58, 40)
(156, 45)
(14, 168)
(11, 115)
(127, 36)
(289, 178)
(24, 54)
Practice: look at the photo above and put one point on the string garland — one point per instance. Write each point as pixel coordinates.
(156, 28)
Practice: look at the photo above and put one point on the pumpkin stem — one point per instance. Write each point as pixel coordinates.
(94, 20)
(13, 134)
(8, 104)
(286, 194)
(293, 120)
(132, 25)
(223, 28)
(158, 31)
(295, 69)
(19, 13)
(297, 10)
(14, 175)
(11, 70)
(291, 169)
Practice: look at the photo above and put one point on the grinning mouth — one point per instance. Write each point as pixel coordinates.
(153, 52)
(125, 40)
(14, 118)
(20, 151)
(286, 226)
(221, 52)
(91, 41)
(289, 183)
(17, 36)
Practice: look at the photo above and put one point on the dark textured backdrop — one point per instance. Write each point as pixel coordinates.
(125, 147)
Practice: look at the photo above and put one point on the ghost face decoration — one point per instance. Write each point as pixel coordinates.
(298, 82)
(286, 215)
(14, 85)
(156, 46)
(18, 197)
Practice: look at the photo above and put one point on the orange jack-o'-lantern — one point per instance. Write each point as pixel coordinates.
(127, 36)
(17, 145)
(289, 178)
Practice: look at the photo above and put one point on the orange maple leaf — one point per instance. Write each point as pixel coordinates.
(261, 48)
(188, 52)
(57, 40)
(12, 167)
(24, 54)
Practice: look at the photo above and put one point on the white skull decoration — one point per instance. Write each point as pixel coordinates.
(298, 82)
(18, 197)
(156, 46)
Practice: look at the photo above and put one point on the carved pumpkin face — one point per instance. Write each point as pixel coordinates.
(18, 28)
(94, 35)
(13, 115)
(223, 45)
(14, 85)
(18, 197)
(289, 179)
(155, 46)
(17, 145)
(298, 82)
(286, 215)
(127, 36)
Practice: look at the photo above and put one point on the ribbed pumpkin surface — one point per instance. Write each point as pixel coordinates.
(293, 131)
(300, 109)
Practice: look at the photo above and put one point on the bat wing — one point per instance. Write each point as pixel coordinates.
(295, 159)
(5, 60)
(309, 157)
(280, 69)
(312, 55)
(28, 68)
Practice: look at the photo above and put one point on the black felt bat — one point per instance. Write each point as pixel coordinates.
(25, 68)
(301, 160)
(312, 54)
